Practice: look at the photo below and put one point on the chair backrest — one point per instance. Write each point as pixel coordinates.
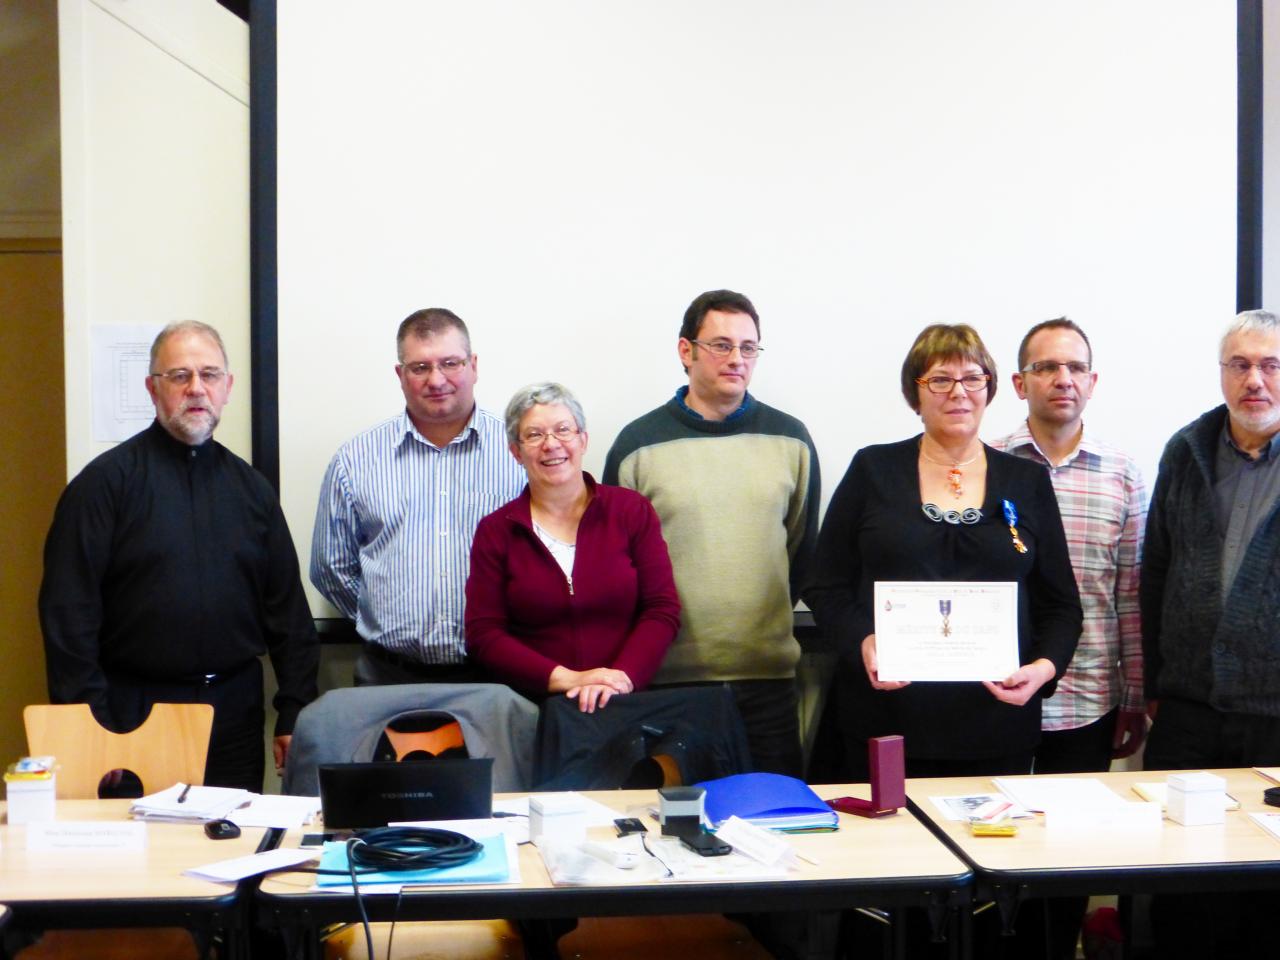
(170, 746)
(445, 736)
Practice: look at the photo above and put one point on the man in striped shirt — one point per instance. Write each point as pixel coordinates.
(1098, 712)
(399, 505)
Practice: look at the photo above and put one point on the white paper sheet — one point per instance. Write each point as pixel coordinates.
(271, 810)
(1042, 794)
(229, 871)
(121, 362)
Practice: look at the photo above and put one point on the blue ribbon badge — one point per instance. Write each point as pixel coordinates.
(1011, 518)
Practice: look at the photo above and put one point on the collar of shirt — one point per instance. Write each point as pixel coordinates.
(405, 430)
(1022, 438)
(1269, 452)
(176, 448)
(683, 392)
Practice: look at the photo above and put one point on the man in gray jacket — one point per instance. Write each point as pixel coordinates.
(1210, 598)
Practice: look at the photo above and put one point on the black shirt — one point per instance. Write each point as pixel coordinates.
(875, 529)
(167, 562)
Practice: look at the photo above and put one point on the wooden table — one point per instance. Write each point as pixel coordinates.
(890, 862)
(122, 888)
(1233, 855)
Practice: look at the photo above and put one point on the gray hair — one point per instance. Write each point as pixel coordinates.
(187, 326)
(545, 394)
(1251, 321)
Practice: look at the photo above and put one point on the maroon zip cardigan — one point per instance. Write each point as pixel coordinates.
(524, 617)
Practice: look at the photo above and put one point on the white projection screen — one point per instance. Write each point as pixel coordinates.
(568, 174)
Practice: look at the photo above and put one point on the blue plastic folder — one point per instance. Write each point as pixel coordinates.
(490, 867)
(768, 800)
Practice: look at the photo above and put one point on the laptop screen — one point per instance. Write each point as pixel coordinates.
(357, 795)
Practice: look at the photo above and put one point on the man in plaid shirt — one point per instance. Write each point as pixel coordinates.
(1098, 712)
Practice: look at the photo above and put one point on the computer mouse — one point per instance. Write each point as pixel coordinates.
(221, 830)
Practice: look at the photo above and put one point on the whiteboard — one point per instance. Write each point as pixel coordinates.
(568, 175)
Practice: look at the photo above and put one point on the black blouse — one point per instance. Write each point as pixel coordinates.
(875, 529)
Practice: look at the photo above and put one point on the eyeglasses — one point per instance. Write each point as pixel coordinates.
(181, 376)
(1239, 367)
(449, 366)
(970, 381)
(723, 348)
(535, 437)
(1050, 368)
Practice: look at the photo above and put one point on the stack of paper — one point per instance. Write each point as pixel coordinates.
(768, 800)
(198, 803)
(1044, 794)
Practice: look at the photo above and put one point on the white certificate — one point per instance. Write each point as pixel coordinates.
(939, 630)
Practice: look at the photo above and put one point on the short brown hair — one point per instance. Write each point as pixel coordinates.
(944, 341)
(1057, 323)
(428, 323)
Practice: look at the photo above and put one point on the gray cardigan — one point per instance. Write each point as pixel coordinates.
(1196, 646)
(344, 725)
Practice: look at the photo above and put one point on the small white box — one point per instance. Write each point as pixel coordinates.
(558, 817)
(32, 801)
(1196, 799)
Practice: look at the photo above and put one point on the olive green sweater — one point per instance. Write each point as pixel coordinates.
(738, 500)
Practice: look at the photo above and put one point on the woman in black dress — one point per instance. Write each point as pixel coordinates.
(944, 506)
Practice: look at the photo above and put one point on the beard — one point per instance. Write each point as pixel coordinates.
(1261, 422)
(191, 427)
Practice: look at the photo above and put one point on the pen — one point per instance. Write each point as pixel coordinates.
(182, 797)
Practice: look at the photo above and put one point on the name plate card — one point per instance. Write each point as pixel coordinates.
(87, 835)
(946, 630)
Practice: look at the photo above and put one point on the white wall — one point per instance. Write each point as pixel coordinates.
(1271, 154)
(155, 175)
(567, 175)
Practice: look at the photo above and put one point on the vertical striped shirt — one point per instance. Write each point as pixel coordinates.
(1104, 507)
(392, 541)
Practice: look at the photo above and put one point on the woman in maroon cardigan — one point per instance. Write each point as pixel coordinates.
(571, 588)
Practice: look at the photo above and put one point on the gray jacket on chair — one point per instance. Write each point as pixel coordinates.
(343, 726)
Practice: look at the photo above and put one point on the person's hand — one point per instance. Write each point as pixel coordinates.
(1019, 686)
(591, 695)
(1153, 707)
(562, 679)
(1131, 730)
(872, 664)
(280, 750)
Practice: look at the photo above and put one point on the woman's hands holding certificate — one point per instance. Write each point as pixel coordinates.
(873, 672)
(1021, 685)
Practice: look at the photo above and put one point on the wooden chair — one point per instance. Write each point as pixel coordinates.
(169, 747)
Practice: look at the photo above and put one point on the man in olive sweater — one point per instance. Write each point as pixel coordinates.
(736, 485)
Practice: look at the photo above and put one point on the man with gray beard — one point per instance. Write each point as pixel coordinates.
(169, 570)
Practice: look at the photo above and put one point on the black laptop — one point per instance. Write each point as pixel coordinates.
(358, 795)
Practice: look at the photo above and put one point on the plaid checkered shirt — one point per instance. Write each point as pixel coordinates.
(1104, 508)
